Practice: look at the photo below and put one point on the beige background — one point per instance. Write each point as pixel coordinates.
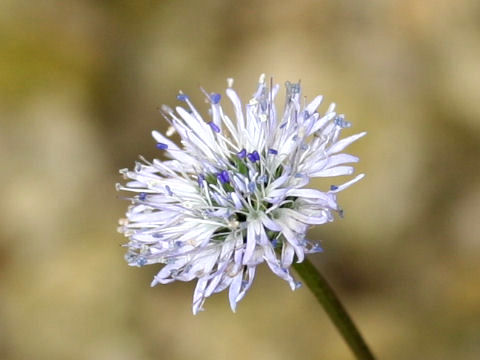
(80, 82)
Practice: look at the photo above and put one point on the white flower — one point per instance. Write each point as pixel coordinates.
(235, 194)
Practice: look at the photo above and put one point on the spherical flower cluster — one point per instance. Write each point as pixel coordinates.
(235, 194)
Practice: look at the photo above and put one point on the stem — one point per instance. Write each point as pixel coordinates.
(334, 308)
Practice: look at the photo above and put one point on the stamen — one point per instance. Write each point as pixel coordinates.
(161, 146)
(201, 179)
(223, 177)
(214, 127)
(141, 261)
(242, 154)
(272, 151)
(215, 98)
(262, 179)
(341, 122)
(142, 196)
(170, 131)
(333, 187)
(182, 97)
(253, 156)
(316, 248)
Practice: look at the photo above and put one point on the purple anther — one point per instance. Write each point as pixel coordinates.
(215, 98)
(272, 151)
(161, 146)
(242, 154)
(333, 187)
(201, 179)
(253, 156)
(182, 97)
(214, 127)
(142, 196)
(225, 176)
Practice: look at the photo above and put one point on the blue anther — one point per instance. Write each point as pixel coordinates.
(182, 97)
(214, 127)
(262, 179)
(157, 235)
(252, 186)
(201, 179)
(253, 156)
(274, 243)
(333, 187)
(317, 248)
(340, 121)
(169, 191)
(272, 151)
(242, 154)
(215, 98)
(141, 261)
(306, 115)
(225, 176)
(161, 146)
(142, 196)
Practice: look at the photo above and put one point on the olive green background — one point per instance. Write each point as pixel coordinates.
(80, 84)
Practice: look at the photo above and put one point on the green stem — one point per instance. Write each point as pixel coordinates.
(334, 308)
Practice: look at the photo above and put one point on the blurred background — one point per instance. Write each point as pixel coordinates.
(80, 85)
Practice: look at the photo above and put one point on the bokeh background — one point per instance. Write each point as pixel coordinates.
(80, 84)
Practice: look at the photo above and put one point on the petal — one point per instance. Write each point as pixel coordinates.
(251, 242)
(248, 284)
(198, 295)
(235, 290)
(269, 223)
(312, 107)
(348, 183)
(335, 171)
(342, 144)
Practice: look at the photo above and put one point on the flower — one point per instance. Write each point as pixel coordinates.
(236, 193)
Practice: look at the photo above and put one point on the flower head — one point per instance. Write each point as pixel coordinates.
(236, 193)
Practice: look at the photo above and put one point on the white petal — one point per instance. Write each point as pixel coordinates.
(246, 287)
(234, 290)
(348, 183)
(310, 108)
(339, 159)
(251, 242)
(198, 295)
(269, 223)
(335, 171)
(342, 144)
